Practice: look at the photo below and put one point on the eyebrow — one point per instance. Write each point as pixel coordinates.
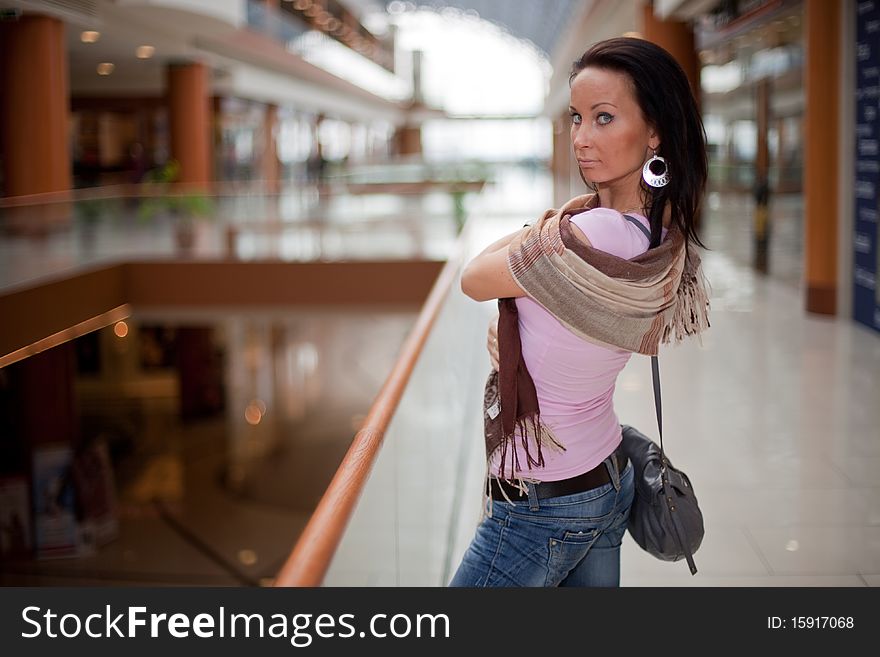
(594, 106)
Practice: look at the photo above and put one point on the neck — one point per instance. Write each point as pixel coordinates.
(623, 194)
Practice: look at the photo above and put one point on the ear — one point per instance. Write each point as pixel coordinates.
(653, 138)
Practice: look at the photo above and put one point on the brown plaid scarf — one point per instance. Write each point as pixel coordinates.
(634, 305)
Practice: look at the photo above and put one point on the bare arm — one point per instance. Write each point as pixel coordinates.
(487, 275)
(501, 245)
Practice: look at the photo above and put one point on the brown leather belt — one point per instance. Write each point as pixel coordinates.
(586, 481)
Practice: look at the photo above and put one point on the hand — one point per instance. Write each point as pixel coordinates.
(492, 342)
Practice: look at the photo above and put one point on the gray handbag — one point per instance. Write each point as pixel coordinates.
(665, 519)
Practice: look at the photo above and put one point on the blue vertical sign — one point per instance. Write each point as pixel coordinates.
(866, 239)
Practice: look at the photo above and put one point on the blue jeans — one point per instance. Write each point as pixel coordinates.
(571, 540)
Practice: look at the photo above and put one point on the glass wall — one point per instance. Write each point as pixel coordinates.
(734, 64)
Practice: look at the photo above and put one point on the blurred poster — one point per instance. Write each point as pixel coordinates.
(95, 495)
(55, 525)
(15, 518)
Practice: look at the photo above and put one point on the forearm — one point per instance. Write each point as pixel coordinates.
(487, 276)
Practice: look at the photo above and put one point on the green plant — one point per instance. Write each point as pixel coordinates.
(185, 205)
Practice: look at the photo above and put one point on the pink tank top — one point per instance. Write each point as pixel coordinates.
(574, 378)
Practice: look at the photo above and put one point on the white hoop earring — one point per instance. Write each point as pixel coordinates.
(652, 177)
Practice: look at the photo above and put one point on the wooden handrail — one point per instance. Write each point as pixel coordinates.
(308, 562)
(134, 190)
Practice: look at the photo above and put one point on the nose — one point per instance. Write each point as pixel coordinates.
(580, 137)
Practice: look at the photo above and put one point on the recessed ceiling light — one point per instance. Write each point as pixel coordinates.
(89, 36)
(145, 52)
(105, 68)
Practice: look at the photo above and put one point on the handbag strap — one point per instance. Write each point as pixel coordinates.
(664, 475)
(655, 373)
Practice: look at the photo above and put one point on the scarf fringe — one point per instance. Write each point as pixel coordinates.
(529, 429)
(691, 311)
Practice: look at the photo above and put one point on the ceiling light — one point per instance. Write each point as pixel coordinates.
(89, 36)
(105, 68)
(145, 52)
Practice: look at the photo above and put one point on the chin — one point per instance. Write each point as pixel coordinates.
(590, 182)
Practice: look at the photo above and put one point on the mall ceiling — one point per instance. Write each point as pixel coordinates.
(543, 23)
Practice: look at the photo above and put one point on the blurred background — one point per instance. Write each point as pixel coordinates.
(233, 348)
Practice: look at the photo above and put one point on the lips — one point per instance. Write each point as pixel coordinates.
(587, 163)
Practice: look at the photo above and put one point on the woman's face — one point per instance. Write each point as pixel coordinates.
(609, 135)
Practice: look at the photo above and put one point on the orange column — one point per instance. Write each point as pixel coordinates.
(35, 116)
(821, 91)
(271, 165)
(409, 139)
(189, 115)
(677, 38)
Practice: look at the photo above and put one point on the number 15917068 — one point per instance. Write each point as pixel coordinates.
(810, 622)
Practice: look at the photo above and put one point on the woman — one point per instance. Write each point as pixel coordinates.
(579, 291)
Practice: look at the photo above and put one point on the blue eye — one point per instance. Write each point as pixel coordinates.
(604, 118)
(575, 118)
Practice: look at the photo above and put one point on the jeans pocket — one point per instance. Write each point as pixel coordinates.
(567, 552)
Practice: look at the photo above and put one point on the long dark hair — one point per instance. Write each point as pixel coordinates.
(662, 91)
